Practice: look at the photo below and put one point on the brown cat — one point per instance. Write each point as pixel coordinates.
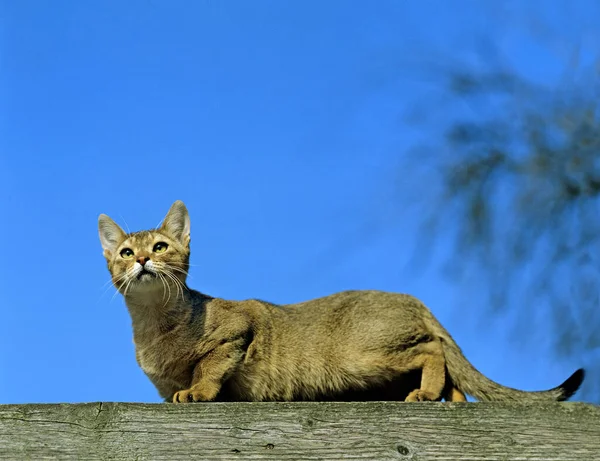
(362, 345)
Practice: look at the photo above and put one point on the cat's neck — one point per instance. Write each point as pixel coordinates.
(156, 311)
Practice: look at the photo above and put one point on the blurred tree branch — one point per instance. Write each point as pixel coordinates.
(515, 178)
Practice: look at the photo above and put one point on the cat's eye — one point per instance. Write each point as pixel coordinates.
(160, 247)
(126, 253)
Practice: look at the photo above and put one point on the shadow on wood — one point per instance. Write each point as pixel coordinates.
(297, 431)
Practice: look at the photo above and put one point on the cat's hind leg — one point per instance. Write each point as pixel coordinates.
(430, 359)
(454, 394)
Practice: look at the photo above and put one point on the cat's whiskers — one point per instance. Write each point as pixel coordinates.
(126, 226)
(171, 265)
(178, 283)
(121, 280)
(170, 276)
(109, 281)
(186, 264)
(177, 269)
(165, 284)
(161, 278)
(131, 274)
(127, 286)
(112, 284)
(166, 267)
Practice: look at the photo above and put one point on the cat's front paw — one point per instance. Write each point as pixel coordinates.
(419, 395)
(192, 395)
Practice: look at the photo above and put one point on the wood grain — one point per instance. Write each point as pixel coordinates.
(301, 431)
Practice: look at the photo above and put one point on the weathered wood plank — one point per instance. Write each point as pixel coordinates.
(301, 431)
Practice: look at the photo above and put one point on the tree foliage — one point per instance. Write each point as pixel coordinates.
(514, 174)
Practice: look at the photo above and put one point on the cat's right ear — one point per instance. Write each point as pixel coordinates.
(111, 235)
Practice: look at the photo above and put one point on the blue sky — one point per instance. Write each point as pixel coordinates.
(277, 123)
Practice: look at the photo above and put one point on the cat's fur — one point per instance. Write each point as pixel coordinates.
(362, 345)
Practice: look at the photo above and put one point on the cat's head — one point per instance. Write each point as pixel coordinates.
(149, 260)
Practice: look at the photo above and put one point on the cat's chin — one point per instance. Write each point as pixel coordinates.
(146, 277)
(146, 285)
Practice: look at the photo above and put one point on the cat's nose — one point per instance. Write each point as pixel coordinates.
(143, 260)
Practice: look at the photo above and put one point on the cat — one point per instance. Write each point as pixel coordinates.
(363, 345)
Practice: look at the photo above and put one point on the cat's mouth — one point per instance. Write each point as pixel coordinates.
(145, 275)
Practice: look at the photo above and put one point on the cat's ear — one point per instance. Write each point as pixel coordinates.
(111, 235)
(177, 222)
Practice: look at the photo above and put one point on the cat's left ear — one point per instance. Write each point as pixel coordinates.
(111, 235)
(177, 222)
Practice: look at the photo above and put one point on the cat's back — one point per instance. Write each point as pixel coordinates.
(357, 302)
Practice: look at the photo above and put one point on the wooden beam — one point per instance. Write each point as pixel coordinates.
(301, 431)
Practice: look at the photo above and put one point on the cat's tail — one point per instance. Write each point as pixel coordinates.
(471, 381)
